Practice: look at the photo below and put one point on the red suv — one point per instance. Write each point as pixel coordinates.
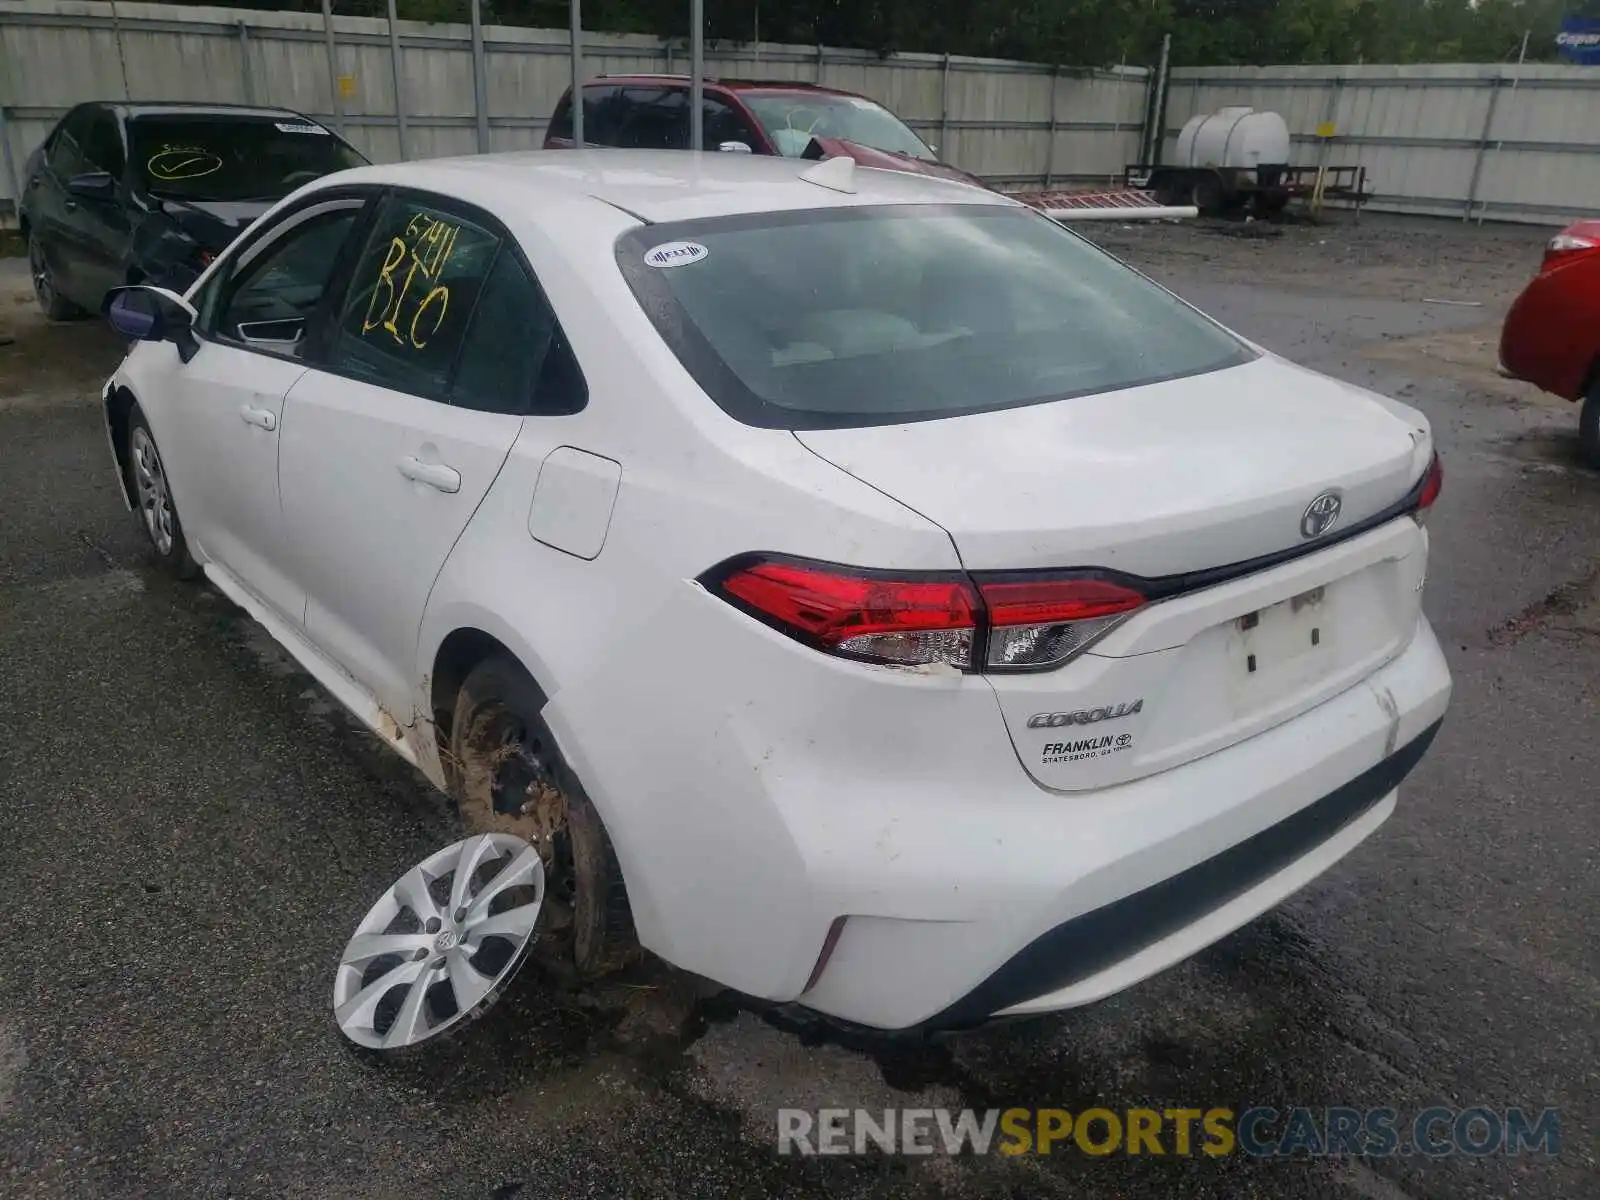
(801, 120)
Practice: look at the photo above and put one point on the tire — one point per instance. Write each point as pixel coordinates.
(500, 745)
(1207, 194)
(53, 304)
(153, 506)
(1589, 426)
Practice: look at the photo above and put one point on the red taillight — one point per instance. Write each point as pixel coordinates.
(868, 615)
(1040, 623)
(1432, 485)
(922, 620)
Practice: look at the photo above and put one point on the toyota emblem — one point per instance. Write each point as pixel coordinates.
(1321, 515)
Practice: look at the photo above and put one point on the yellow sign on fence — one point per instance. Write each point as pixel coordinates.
(1326, 129)
(347, 86)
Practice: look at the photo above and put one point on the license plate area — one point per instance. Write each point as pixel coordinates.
(1278, 651)
(1281, 633)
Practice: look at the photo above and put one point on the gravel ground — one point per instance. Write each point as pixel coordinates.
(189, 828)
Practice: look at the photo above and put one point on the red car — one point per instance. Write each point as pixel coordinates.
(788, 117)
(1551, 336)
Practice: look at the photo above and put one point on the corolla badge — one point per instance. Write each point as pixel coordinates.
(1321, 515)
(1085, 716)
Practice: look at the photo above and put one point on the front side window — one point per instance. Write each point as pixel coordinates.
(885, 314)
(723, 123)
(102, 146)
(208, 157)
(792, 119)
(269, 300)
(411, 297)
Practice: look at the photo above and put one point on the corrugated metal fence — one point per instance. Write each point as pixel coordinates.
(1513, 143)
(1012, 123)
(1510, 142)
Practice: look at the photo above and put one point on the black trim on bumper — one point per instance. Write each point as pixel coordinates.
(1088, 944)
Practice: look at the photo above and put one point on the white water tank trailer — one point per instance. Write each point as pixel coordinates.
(1223, 160)
(1234, 137)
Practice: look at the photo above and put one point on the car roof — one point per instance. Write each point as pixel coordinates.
(661, 185)
(729, 85)
(174, 108)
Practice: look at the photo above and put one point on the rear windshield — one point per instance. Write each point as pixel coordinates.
(881, 315)
(792, 119)
(230, 158)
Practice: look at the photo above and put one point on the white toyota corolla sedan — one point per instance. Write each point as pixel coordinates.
(862, 592)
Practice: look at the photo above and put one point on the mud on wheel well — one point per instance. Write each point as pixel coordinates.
(118, 407)
(458, 654)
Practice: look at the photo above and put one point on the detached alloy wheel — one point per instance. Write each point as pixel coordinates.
(54, 305)
(153, 504)
(439, 947)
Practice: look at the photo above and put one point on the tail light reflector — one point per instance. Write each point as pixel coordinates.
(1565, 246)
(868, 615)
(1040, 623)
(1432, 485)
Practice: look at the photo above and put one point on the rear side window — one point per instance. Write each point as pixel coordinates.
(656, 118)
(604, 107)
(515, 358)
(881, 315)
(66, 148)
(411, 297)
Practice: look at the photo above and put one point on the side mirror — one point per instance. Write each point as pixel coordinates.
(735, 148)
(94, 185)
(152, 314)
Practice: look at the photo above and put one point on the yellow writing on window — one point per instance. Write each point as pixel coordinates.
(171, 164)
(411, 307)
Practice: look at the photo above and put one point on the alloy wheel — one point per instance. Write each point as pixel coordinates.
(441, 943)
(155, 497)
(43, 287)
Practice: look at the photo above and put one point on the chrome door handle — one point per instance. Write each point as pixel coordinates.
(435, 475)
(258, 417)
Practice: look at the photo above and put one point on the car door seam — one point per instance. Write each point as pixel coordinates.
(427, 600)
(277, 466)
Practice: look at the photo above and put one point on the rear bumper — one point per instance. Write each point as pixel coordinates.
(756, 796)
(1112, 887)
(1081, 959)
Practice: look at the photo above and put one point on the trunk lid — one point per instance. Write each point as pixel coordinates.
(1184, 476)
(1156, 480)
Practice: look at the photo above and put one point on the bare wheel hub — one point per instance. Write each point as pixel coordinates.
(508, 786)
